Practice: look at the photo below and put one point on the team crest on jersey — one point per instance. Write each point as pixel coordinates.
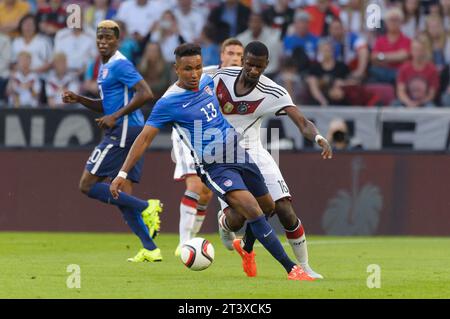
(208, 90)
(228, 107)
(242, 108)
(104, 73)
(228, 183)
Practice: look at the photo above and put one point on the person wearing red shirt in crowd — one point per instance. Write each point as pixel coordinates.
(390, 50)
(52, 17)
(418, 79)
(322, 13)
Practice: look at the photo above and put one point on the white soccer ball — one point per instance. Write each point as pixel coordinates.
(197, 254)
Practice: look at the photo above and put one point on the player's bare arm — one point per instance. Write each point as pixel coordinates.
(137, 150)
(142, 95)
(92, 104)
(309, 130)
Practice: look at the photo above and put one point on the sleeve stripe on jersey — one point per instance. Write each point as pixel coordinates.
(278, 89)
(268, 91)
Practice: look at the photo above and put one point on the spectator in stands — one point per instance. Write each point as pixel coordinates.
(34, 43)
(327, 77)
(439, 41)
(140, 15)
(339, 136)
(60, 80)
(5, 61)
(52, 17)
(390, 50)
(230, 18)
(418, 79)
(167, 34)
(445, 13)
(290, 79)
(80, 47)
(351, 49)
(353, 17)
(302, 45)
(190, 20)
(279, 16)
(322, 13)
(128, 46)
(11, 11)
(90, 85)
(155, 70)
(24, 86)
(210, 49)
(99, 10)
(414, 20)
(258, 31)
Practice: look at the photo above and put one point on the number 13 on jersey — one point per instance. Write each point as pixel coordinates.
(210, 111)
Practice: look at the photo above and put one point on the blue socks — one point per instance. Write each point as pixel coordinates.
(134, 221)
(267, 237)
(101, 192)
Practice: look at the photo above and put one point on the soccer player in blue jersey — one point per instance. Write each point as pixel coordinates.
(123, 91)
(191, 106)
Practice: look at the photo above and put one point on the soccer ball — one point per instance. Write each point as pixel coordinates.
(197, 254)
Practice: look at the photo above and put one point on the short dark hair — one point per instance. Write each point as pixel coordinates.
(256, 48)
(187, 49)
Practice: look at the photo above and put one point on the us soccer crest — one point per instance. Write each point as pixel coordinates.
(208, 90)
(228, 107)
(104, 73)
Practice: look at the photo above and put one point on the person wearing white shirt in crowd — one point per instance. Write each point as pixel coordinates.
(37, 45)
(60, 80)
(79, 45)
(166, 33)
(5, 60)
(140, 15)
(24, 86)
(190, 20)
(258, 31)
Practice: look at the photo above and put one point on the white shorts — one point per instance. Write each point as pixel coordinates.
(184, 162)
(271, 172)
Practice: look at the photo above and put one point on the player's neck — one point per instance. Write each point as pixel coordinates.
(182, 86)
(106, 58)
(243, 86)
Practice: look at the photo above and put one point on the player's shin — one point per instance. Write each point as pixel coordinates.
(101, 192)
(199, 218)
(297, 239)
(134, 220)
(267, 237)
(188, 212)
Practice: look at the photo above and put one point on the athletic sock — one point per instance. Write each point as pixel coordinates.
(101, 192)
(199, 218)
(297, 239)
(267, 237)
(134, 220)
(188, 211)
(248, 239)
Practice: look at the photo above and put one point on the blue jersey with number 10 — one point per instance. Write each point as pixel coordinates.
(197, 118)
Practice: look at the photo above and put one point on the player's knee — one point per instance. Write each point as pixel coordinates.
(234, 220)
(268, 208)
(206, 195)
(194, 185)
(286, 213)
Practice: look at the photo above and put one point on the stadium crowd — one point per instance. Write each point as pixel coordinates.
(324, 52)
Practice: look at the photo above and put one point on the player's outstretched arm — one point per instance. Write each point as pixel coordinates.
(140, 145)
(142, 95)
(309, 130)
(92, 104)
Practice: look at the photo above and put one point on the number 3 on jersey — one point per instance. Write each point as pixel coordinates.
(210, 113)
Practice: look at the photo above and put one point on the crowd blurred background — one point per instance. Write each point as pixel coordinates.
(324, 52)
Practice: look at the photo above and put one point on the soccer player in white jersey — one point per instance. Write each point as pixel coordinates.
(246, 96)
(197, 196)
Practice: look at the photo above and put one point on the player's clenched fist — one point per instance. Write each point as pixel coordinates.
(69, 97)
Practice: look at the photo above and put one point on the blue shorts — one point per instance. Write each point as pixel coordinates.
(224, 178)
(109, 156)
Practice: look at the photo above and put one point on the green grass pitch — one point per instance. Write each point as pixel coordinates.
(34, 265)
